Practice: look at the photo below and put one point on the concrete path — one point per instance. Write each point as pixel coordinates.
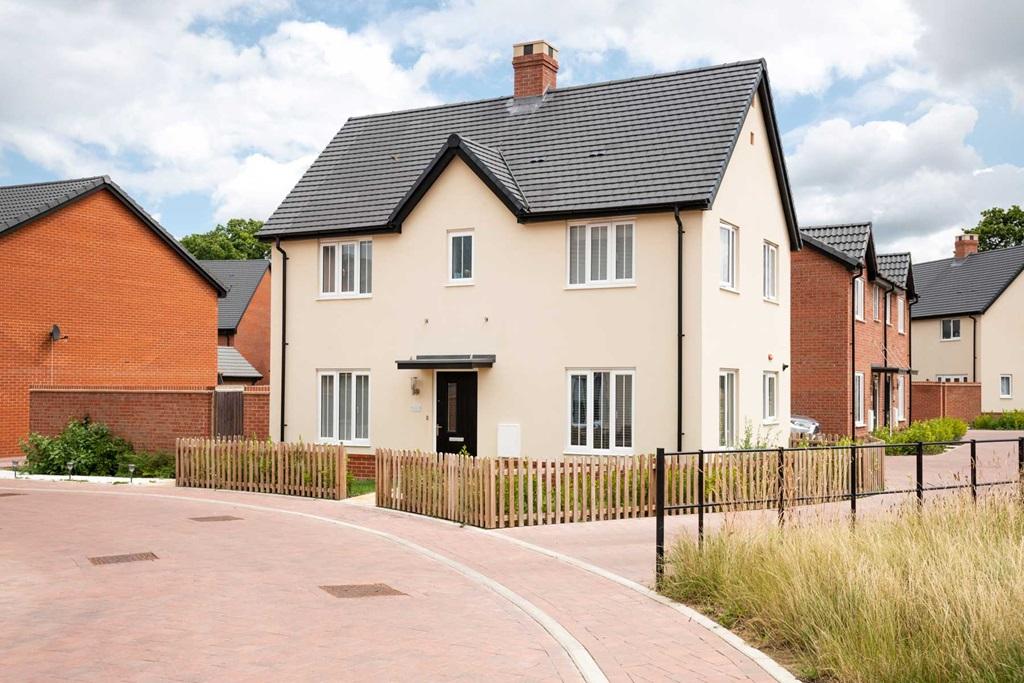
(241, 599)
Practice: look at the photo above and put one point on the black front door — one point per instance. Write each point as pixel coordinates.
(456, 412)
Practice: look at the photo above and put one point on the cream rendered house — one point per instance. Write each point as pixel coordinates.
(968, 325)
(599, 269)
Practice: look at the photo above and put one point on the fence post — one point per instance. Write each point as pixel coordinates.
(659, 523)
(1020, 465)
(700, 498)
(974, 470)
(853, 483)
(919, 473)
(781, 477)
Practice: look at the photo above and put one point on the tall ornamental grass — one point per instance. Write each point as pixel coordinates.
(905, 596)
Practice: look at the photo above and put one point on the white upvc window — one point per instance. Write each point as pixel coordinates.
(858, 400)
(900, 398)
(901, 325)
(770, 397)
(461, 257)
(888, 308)
(344, 406)
(876, 307)
(858, 299)
(601, 411)
(601, 254)
(954, 379)
(770, 260)
(1005, 386)
(346, 269)
(950, 329)
(727, 408)
(727, 256)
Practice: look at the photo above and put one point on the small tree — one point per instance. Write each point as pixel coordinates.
(236, 240)
(1000, 228)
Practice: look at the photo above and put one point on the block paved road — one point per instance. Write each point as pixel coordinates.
(240, 600)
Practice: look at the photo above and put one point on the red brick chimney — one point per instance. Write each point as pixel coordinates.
(536, 67)
(966, 244)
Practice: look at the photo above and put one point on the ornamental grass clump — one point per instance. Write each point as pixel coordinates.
(936, 595)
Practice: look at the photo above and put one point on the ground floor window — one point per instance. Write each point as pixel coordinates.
(344, 406)
(1005, 386)
(601, 408)
(951, 378)
(727, 408)
(770, 397)
(858, 398)
(900, 398)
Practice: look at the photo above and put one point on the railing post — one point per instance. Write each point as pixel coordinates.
(853, 482)
(659, 524)
(781, 478)
(919, 473)
(974, 470)
(1020, 465)
(700, 498)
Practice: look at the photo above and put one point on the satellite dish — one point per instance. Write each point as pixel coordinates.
(55, 333)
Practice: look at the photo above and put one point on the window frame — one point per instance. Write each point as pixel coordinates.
(732, 408)
(610, 280)
(858, 298)
(901, 315)
(876, 303)
(1009, 378)
(357, 269)
(858, 407)
(942, 329)
(588, 448)
(888, 309)
(951, 379)
(901, 399)
(770, 284)
(770, 378)
(730, 256)
(336, 408)
(464, 281)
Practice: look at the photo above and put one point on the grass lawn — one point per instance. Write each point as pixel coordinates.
(357, 487)
(906, 596)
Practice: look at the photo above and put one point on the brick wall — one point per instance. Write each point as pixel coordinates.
(252, 338)
(134, 311)
(362, 465)
(257, 412)
(946, 399)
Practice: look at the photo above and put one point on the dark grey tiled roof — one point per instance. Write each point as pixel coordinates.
(649, 142)
(951, 287)
(895, 268)
(21, 203)
(241, 278)
(850, 239)
(233, 365)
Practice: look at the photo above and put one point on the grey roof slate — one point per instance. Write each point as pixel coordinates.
(642, 143)
(971, 285)
(850, 239)
(19, 204)
(241, 278)
(232, 365)
(896, 268)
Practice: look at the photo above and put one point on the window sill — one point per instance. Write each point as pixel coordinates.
(459, 283)
(591, 451)
(771, 301)
(860, 320)
(343, 297)
(953, 339)
(604, 285)
(727, 288)
(773, 422)
(860, 424)
(1005, 398)
(348, 444)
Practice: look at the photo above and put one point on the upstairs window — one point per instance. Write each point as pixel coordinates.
(460, 257)
(601, 254)
(858, 299)
(346, 269)
(888, 308)
(770, 258)
(876, 308)
(600, 411)
(950, 329)
(901, 325)
(727, 256)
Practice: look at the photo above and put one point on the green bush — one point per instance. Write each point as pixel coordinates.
(939, 429)
(1011, 419)
(94, 450)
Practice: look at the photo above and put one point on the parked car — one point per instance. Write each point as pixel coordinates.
(803, 425)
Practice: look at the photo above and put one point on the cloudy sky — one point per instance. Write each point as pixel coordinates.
(910, 114)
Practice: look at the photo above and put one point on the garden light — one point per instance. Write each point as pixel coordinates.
(14, 465)
(131, 472)
(70, 465)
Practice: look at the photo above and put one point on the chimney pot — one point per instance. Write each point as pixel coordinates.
(965, 245)
(535, 68)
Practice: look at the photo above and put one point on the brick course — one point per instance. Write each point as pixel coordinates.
(947, 399)
(134, 311)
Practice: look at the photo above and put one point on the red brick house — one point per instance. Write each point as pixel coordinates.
(243, 320)
(96, 294)
(850, 331)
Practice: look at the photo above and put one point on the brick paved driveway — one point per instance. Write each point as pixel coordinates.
(240, 600)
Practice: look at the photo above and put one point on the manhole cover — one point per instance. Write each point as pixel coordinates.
(215, 518)
(5, 495)
(117, 559)
(361, 590)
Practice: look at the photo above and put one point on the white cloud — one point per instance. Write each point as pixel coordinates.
(920, 182)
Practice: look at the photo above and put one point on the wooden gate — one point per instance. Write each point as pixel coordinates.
(228, 413)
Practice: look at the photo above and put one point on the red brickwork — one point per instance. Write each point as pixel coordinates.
(252, 338)
(947, 399)
(534, 74)
(135, 313)
(362, 465)
(257, 412)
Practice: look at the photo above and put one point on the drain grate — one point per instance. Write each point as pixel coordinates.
(7, 495)
(361, 590)
(118, 559)
(215, 518)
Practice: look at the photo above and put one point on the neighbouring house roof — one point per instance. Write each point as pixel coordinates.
(241, 277)
(232, 365)
(967, 286)
(20, 204)
(896, 268)
(642, 144)
(848, 241)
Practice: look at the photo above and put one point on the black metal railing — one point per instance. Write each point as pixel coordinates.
(779, 501)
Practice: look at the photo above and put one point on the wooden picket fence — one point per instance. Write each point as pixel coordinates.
(508, 492)
(261, 466)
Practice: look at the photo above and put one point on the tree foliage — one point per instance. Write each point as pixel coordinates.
(1000, 228)
(236, 240)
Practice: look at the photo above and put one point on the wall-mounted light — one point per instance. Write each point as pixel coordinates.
(414, 386)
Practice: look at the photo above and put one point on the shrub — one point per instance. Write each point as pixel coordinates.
(1011, 419)
(94, 450)
(939, 429)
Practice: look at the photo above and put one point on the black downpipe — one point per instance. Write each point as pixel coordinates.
(679, 331)
(910, 359)
(886, 376)
(974, 348)
(853, 352)
(284, 328)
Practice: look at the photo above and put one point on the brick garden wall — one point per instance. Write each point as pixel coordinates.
(362, 465)
(257, 412)
(946, 399)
